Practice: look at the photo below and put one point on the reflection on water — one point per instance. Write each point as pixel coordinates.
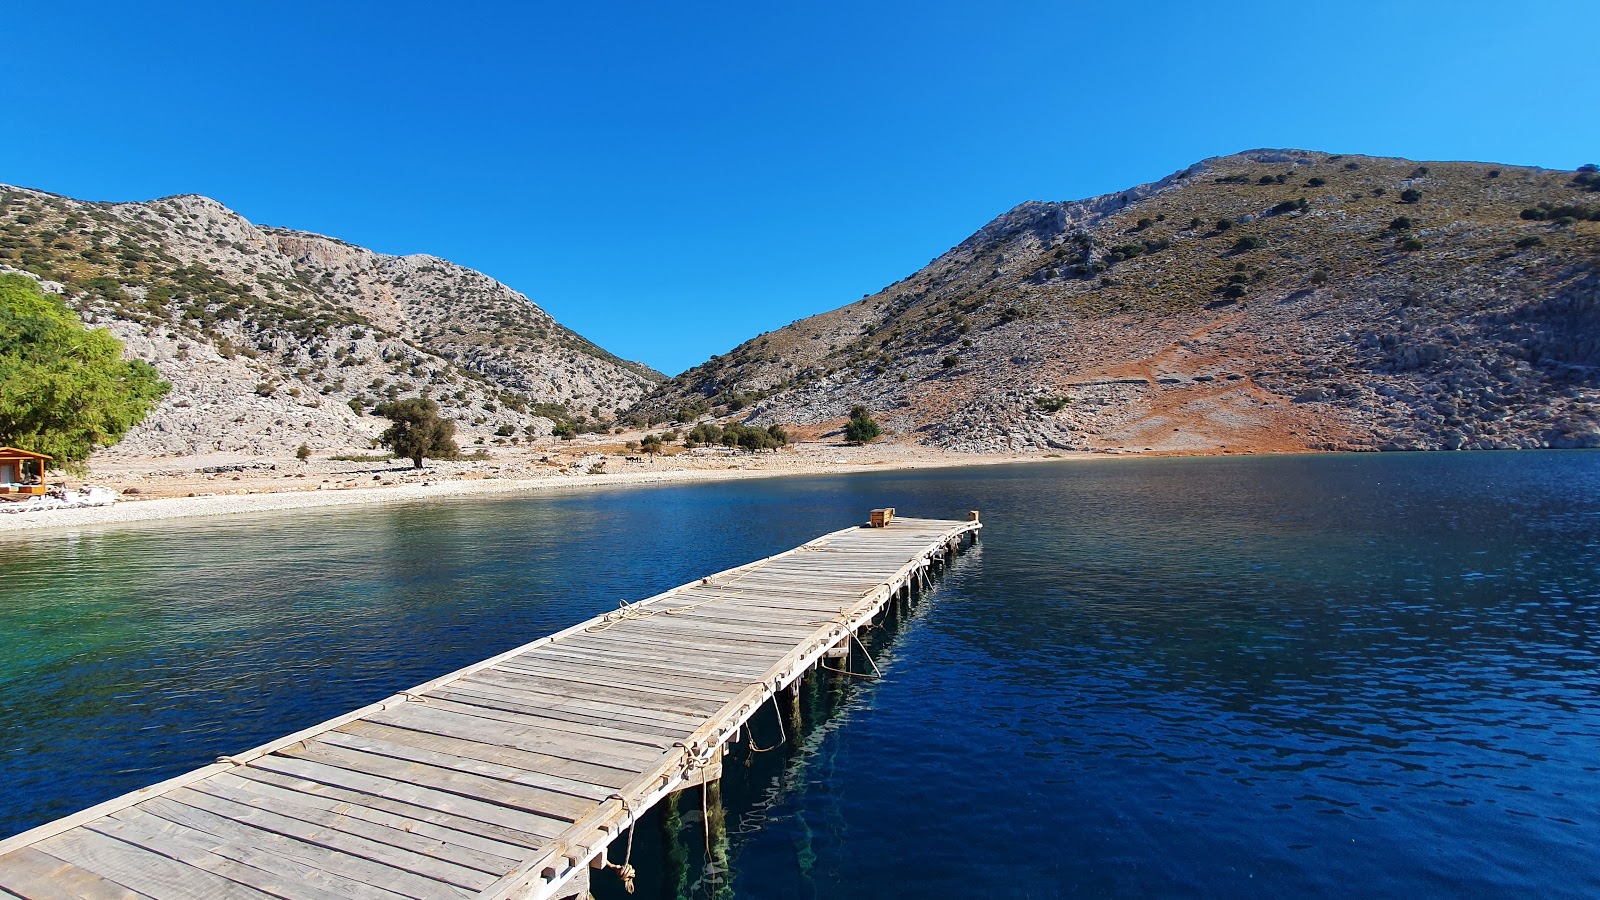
(1215, 677)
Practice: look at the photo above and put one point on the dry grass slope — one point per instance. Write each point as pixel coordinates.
(274, 337)
(1269, 300)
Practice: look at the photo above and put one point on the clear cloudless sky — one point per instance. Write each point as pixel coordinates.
(670, 179)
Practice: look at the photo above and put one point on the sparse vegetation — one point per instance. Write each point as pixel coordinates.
(861, 427)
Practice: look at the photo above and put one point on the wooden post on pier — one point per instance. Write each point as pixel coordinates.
(716, 834)
(789, 701)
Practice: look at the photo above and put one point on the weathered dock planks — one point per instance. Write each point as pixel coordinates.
(506, 778)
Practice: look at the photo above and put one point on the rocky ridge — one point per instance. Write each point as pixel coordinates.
(272, 337)
(1269, 300)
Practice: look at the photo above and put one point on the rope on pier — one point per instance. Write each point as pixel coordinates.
(625, 870)
(876, 672)
(782, 735)
(626, 611)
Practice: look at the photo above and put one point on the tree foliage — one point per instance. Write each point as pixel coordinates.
(417, 430)
(735, 434)
(861, 429)
(65, 389)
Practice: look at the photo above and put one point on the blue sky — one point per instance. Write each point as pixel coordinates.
(670, 179)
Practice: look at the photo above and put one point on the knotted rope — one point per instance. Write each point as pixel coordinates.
(626, 870)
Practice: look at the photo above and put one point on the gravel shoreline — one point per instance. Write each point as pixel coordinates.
(134, 511)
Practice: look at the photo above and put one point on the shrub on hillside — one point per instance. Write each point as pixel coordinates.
(861, 429)
(1410, 195)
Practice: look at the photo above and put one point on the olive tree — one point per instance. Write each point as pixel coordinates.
(417, 430)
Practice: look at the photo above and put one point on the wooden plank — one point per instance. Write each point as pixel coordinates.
(656, 653)
(330, 862)
(477, 723)
(264, 872)
(584, 779)
(737, 613)
(141, 870)
(504, 734)
(380, 815)
(680, 625)
(548, 804)
(576, 706)
(359, 804)
(623, 642)
(632, 696)
(531, 703)
(466, 808)
(395, 835)
(439, 870)
(700, 689)
(27, 872)
(639, 662)
(639, 741)
(580, 793)
(338, 884)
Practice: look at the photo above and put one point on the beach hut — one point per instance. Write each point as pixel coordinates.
(21, 473)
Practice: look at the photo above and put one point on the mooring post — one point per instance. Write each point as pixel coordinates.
(716, 826)
(676, 870)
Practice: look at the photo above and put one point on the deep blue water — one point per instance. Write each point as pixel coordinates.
(1371, 674)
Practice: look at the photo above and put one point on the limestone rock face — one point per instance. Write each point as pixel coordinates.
(1270, 300)
(274, 338)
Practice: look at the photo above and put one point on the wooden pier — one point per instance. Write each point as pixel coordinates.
(508, 778)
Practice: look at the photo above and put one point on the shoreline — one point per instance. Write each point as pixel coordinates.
(127, 512)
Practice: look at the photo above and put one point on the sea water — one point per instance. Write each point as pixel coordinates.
(1269, 676)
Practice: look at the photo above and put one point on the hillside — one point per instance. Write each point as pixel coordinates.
(272, 337)
(1269, 300)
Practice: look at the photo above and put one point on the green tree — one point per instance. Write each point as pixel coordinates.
(65, 390)
(417, 430)
(861, 429)
(651, 444)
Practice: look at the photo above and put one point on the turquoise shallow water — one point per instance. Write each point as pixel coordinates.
(1194, 677)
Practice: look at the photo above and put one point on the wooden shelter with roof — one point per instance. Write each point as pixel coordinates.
(21, 473)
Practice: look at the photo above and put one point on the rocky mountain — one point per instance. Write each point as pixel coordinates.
(1269, 300)
(272, 338)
